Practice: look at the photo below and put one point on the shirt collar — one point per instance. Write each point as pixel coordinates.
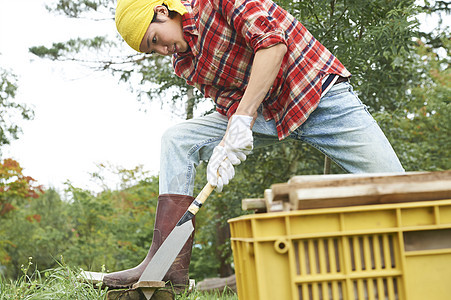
(190, 32)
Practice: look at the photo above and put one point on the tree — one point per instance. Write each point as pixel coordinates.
(16, 190)
(116, 225)
(420, 129)
(10, 111)
(372, 38)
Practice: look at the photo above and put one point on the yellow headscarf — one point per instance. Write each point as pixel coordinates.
(133, 17)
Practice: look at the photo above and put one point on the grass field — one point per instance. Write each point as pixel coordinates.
(62, 283)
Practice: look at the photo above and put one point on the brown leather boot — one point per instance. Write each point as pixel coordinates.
(170, 209)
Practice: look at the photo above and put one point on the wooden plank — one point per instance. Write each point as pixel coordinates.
(276, 206)
(287, 206)
(91, 277)
(268, 199)
(281, 191)
(148, 284)
(217, 284)
(148, 288)
(137, 294)
(364, 194)
(360, 176)
(257, 204)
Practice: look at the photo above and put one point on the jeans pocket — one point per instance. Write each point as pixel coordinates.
(361, 104)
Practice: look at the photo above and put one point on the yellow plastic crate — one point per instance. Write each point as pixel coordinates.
(378, 252)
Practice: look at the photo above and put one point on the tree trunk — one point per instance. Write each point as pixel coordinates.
(222, 236)
(190, 103)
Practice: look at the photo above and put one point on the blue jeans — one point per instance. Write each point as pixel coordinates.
(341, 127)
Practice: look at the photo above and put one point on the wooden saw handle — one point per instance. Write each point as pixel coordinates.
(197, 204)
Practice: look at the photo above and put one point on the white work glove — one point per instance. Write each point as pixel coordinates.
(219, 169)
(238, 138)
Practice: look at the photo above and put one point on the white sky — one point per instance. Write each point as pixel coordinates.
(81, 118)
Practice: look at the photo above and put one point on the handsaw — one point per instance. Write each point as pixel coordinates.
(173, 244)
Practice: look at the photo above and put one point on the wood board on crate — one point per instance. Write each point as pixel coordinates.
(322, 191)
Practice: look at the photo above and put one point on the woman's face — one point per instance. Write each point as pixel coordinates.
(164, 37)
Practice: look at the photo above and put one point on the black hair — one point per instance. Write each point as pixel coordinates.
(172, 15)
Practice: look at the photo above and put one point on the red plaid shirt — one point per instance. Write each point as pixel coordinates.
(224, 35)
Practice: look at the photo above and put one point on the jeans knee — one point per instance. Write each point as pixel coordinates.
(172, 137)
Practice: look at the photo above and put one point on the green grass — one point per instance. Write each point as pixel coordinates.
(62, 283)
(58, 283)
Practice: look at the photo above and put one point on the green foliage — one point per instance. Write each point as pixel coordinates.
(34, 228)
(112, 229)
(91, 236)
(420, 130)
(16, 190)
(436, 6)
(73, 49)
(157, 80)
(10, 111)
(76, 9)
(373, 39)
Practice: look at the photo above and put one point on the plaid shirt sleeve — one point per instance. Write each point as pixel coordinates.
(228, 96)
(252, 19)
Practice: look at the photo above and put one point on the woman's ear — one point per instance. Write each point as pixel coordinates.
(161, 9)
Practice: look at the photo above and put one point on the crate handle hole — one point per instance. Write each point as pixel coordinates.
(281, 246)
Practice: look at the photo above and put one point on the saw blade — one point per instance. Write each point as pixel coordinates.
(168, 251)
